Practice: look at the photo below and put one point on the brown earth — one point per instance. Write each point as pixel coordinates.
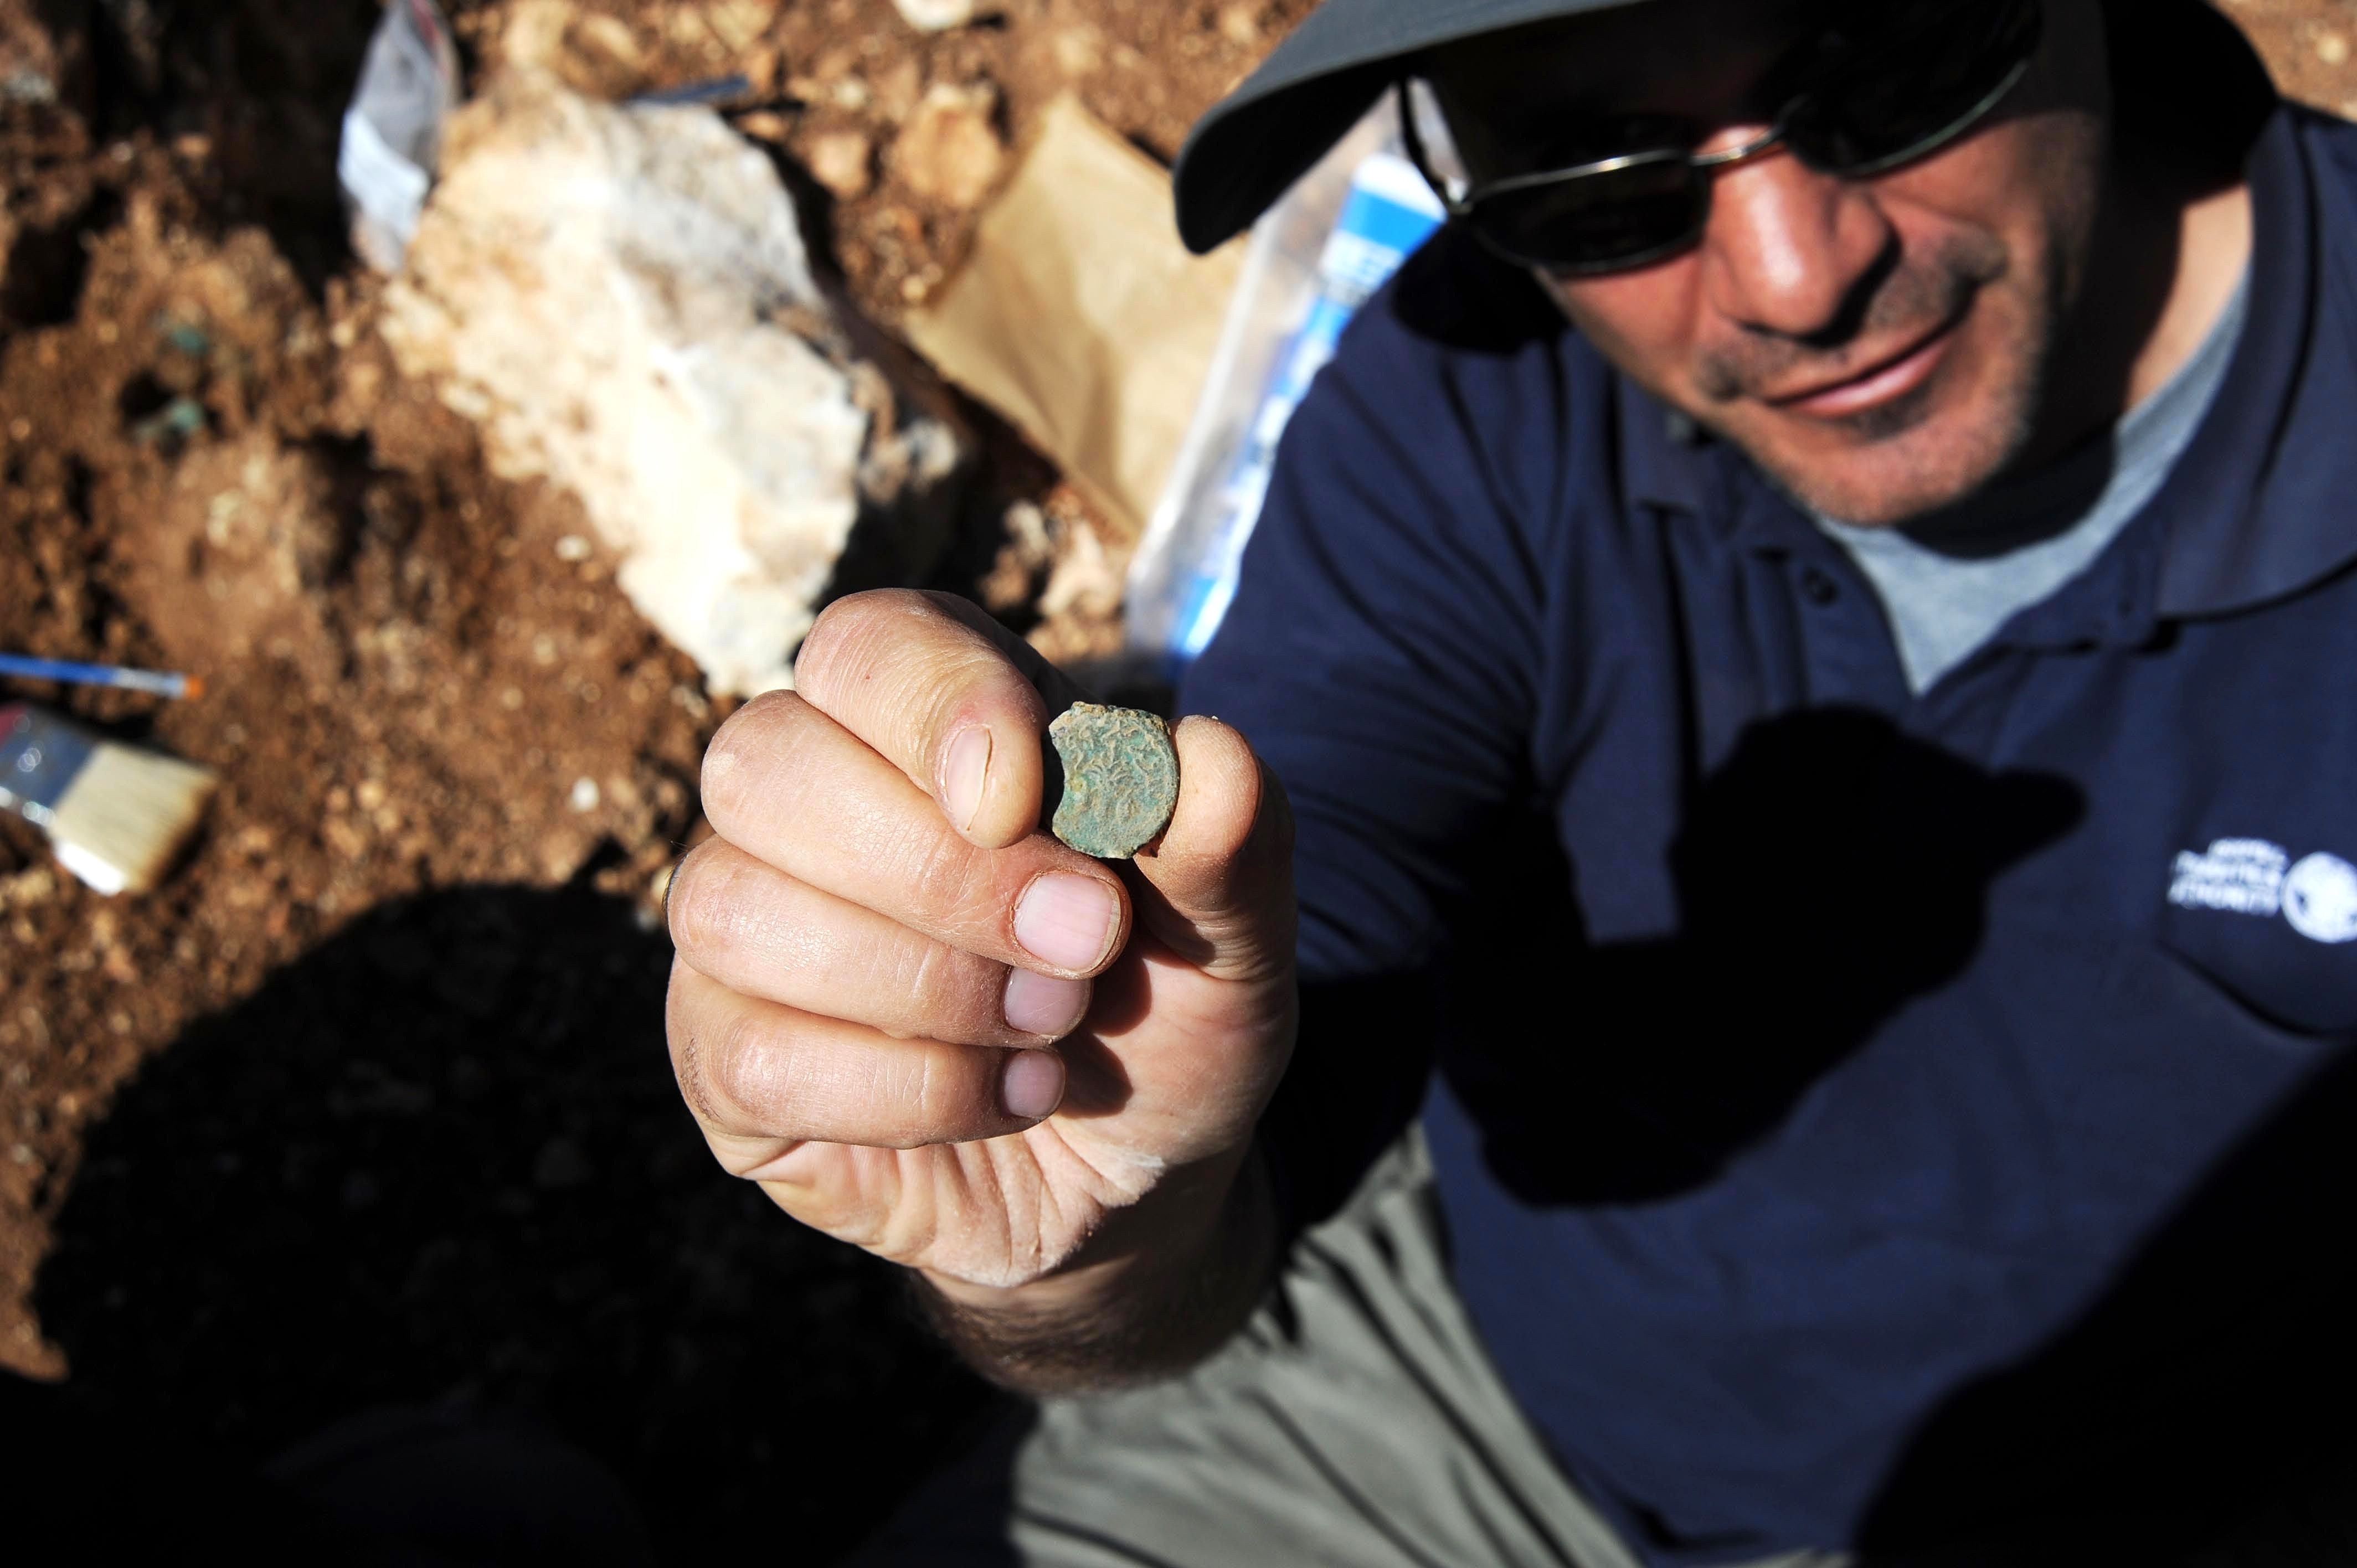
(416, 1138)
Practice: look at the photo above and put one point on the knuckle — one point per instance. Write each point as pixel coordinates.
(951, 990)
(948, 876)
(748, 1072)
(946, 1094)
(921, 981)
(749, 748)
(696, 903)
(842, 639)
(690, 1055)
(734, 1064)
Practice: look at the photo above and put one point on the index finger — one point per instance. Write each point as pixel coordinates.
(947, 695)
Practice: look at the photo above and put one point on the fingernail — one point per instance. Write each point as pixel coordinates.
(1043, 1005)
(1033, 1084)
(963, 772)
(1066, 921)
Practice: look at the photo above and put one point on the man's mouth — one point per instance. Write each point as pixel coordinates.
(1881, 383)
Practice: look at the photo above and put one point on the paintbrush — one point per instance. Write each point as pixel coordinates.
(116, 813)
(160, 682)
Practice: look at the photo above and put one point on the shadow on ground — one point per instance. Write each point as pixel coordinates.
(441, 1162)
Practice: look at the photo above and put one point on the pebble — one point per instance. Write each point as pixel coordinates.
(934, 15)
(1121, 778)
(840, 160)
(949, 152)
(29, 887)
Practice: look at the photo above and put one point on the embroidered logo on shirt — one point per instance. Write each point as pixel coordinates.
(2319, 898)
(2318, 895)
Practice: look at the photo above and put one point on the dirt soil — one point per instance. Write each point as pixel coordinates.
(368, 1103)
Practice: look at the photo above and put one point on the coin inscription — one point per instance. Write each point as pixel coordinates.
(1121, 778)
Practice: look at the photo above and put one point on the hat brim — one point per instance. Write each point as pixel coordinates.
(1265, 134)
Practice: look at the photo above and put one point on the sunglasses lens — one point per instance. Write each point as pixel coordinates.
(1891, 82)
(1916, 73)
(1598, 220)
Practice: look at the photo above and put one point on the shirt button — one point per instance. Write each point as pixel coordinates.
(1818, 588)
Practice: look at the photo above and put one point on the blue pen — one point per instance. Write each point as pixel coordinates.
(161, 684)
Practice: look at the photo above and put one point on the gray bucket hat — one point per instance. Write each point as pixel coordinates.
(1265, 136)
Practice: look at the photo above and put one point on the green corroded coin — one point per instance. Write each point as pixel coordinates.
(1121, 778)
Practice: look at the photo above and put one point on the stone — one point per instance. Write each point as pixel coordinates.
(28, 58)
(619, 298)
(1079, 51)
(1120, 779)
(839, 160)
(740, 25)
(949, 151)
(935, 15)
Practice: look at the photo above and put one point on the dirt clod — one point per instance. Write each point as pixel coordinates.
(949, 152)
(841, 161)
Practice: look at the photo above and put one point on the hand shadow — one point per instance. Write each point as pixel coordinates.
(1832, 870)
(441, 1162)
(2197, 1415)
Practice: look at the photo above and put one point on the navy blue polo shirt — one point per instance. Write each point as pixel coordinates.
(1861, 1119)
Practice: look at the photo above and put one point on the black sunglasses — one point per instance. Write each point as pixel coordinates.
(1862, 99)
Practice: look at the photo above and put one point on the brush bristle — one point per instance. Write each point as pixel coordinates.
(131, 810)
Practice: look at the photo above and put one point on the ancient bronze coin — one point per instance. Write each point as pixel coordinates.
(1121, 778)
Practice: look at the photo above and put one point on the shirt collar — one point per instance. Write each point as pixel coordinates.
(1665, 459)
(2257, 507)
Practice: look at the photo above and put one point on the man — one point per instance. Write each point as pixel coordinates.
(1805, 639)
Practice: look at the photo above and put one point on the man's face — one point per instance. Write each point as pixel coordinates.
(1880, 345)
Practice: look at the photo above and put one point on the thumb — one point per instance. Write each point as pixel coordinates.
(1218, 882)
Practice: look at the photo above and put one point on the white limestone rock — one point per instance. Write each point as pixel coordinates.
(619, 297)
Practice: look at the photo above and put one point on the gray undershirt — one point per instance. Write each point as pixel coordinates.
(2007, 548)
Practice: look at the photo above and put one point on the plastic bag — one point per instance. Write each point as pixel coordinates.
(393, 131)
(1315, 257)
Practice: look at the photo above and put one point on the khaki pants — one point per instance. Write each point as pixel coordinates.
(1354, 1422)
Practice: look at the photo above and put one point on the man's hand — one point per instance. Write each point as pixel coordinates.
(927, 1027)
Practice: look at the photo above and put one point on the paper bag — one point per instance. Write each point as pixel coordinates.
(1080, 317)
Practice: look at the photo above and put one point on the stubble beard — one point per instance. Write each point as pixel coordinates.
(1911, 455)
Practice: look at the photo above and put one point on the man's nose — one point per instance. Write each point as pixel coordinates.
(1787, 250)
